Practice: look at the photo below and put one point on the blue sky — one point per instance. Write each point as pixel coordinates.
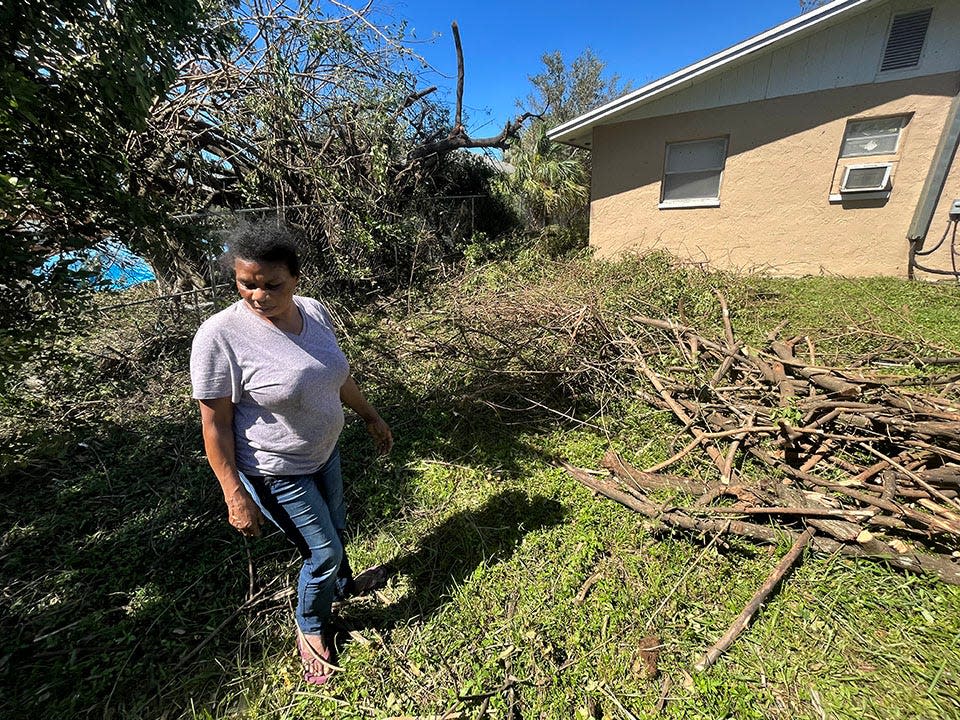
(640, 41)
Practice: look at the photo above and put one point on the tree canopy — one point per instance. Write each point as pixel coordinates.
(124, 120)
(552, 181)
(79, 77)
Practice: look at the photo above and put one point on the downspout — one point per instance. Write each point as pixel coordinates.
(933, 186)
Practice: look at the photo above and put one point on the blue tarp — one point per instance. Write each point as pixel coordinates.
(112, 264)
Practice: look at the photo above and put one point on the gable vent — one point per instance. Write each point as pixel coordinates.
(905, 43)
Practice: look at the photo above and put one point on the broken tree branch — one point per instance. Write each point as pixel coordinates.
(759, 597)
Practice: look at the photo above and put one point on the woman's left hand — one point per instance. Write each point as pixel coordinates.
(378, 429)
(380, 432)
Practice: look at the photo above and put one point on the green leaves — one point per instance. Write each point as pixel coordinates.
(78, 77)
(552, 182)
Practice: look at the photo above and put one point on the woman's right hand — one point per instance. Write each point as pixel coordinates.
(244, 515)
(216, 419)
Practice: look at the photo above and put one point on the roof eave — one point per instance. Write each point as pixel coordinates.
(574, 131)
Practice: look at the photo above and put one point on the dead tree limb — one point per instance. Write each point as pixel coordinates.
(759, 597)
(939, 565)
(818, 376)
(458, 118)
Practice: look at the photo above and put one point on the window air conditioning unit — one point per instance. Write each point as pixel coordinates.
(866, 178)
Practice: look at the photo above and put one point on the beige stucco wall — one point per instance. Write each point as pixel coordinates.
(774, 209)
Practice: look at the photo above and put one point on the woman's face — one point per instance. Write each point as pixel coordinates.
(267, 288)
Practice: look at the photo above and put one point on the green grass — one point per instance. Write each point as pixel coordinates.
(126, 595)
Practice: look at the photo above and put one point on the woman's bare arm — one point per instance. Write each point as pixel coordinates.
(216, 419)
(379, 430)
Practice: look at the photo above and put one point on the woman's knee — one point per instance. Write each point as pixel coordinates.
(326, 558)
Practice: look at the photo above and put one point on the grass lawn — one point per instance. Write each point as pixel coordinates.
(126, 595)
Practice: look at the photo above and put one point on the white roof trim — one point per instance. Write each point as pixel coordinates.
(597, 116)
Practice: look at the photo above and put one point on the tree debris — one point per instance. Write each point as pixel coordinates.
(743, 619)
(867, 462)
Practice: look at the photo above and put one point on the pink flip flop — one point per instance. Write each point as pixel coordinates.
(310, 657)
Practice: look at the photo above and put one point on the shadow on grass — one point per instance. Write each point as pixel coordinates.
(113, 558)
(447, 556)
(118, 563)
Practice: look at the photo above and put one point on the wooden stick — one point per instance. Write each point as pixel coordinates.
(889, 486)
(688, 448)
(943, 452)
(585, 588)
(766, 370)
(912, 475)
(458, 120)
(775, 333)
(942, 511)
(818, 376)
(868, 473)
(942, 566)
(726, 474)
(727, 326)
(743, 619)
(822, 450)
(664, 694)
(931, 521)
(852, 515)
(681, 414)
(725, 365)
(646, 480)
(620, 706)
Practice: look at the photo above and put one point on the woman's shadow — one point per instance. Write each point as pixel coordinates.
(449, 554)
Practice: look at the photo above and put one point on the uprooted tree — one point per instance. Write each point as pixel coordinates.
(319, 112)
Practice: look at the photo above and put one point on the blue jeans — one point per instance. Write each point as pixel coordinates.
(311, 513)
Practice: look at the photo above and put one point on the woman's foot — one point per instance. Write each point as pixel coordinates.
(317, 657)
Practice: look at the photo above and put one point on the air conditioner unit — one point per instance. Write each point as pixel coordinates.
(866, 178)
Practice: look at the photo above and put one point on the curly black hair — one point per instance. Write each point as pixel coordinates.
(263, 241)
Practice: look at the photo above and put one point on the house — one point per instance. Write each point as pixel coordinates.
(825, 145)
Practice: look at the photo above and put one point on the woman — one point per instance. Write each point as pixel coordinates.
(271, 380)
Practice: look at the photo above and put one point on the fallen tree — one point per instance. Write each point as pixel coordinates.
(316, 109)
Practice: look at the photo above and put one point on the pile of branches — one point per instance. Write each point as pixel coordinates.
(871, 465)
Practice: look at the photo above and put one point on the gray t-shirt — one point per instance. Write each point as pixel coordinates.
(285, 388)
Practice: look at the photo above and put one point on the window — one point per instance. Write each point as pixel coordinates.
(872, 137)
(905, 41)
(879, 139)
(866, 178)
(692, 172)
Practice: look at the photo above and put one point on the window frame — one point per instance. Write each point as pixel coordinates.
(839, 194)
(883, 187)
(896, 148)
(700, 201)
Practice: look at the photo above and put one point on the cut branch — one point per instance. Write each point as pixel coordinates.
(743, 619)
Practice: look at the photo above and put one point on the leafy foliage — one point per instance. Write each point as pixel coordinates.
(79, 76)
(562, 91)
(130, 120)
(316, 108)
(807, 5)
(552, 181)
